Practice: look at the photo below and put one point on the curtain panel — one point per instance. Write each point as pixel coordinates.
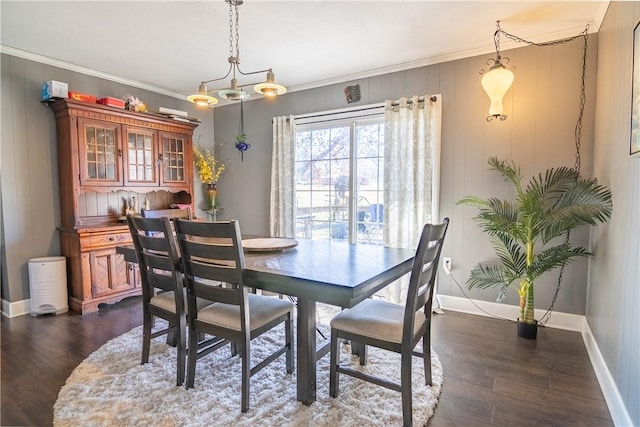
(411, 167)
(282, 200)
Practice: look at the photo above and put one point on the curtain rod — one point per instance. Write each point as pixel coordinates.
(364, 108)
(340, 111)
(432, 98)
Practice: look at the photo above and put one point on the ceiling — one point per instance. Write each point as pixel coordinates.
(170, 46)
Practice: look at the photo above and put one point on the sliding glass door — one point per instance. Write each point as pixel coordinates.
(339, 180)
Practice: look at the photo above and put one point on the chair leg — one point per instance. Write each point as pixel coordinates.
(363, 354)
(181, 329)
(426, 357)
(333, 365)
(172, 338)
(405, 385)
(288, 332)
(245, 354)
(234, 349)
(146, 336)
(192, 356)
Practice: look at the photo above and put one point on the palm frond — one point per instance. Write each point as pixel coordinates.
(511, 254)
(472, 201)
(509, 170)
(586, 202)
(497, 216)
(554, 257)
(483, 277)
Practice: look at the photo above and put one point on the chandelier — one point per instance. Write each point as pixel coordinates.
(236, 92)
(497, 81)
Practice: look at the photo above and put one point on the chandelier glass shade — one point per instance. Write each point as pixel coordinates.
(497, 81)
(235, 92)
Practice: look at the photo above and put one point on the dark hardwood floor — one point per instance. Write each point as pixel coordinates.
(491, 378)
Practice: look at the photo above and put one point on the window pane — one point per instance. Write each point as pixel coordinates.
(320, 144)
(303, 145)
(303, 175)
(368, 140)
(340, 141)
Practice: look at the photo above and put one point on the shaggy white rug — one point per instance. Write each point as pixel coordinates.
(111, 388)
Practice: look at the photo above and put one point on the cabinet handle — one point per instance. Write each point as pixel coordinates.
(119, 153)
(112, 239)
(160, 159)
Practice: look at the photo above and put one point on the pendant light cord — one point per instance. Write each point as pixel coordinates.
(241, 117)
(577, 131)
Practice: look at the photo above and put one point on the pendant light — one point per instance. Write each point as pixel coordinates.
(497, 81)
(235, 92)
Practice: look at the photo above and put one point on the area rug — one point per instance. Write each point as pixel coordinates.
(111, 388)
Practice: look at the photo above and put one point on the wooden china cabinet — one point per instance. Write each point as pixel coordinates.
(106, 157)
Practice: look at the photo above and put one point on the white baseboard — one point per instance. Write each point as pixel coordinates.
(14, 309)
(568, 321)
(617, 408)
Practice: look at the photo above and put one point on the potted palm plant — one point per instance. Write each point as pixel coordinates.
(526, 232)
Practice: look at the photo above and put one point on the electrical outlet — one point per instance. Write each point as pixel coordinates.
(446, 264)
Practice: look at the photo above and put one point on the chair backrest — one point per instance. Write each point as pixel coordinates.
(423, 274)
(157, 255)
(213, 251)
(167, 213)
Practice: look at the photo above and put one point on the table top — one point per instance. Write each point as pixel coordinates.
(335, 273)
(331, 272)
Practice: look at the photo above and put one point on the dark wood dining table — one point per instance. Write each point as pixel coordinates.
(329, 272)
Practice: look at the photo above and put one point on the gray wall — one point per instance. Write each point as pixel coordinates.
(542, 106)
(29, 167)
(614, 279)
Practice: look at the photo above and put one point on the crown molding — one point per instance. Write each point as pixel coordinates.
(87, 71)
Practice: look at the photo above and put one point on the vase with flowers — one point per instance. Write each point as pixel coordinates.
(209, 171)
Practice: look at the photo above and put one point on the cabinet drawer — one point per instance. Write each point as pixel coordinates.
(104, 240)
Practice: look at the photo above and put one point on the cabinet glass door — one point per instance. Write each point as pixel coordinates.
(174, 159)
(141, 157)
(99, 153)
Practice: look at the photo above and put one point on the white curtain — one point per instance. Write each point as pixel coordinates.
(411, 167)
(411, 175)
(282, 210)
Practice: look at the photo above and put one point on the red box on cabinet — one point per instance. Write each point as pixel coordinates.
(82, 97)
(111, 102)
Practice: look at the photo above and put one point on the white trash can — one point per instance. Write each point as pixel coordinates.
(48, 285)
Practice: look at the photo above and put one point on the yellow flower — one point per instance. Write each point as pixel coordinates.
(209, 170)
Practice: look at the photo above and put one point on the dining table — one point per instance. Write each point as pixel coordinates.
(319, 271)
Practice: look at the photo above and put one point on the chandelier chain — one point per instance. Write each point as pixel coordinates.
(577, 131)
(230, 30)
(237, 32)
(551, 43)
(496, 39)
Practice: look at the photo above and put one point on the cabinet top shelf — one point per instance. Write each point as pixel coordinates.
(68, 107)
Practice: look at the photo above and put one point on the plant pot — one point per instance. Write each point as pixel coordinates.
(527, 330)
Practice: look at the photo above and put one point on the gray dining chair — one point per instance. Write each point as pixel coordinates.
(213, 251)
(159, 265)
(394, 327)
